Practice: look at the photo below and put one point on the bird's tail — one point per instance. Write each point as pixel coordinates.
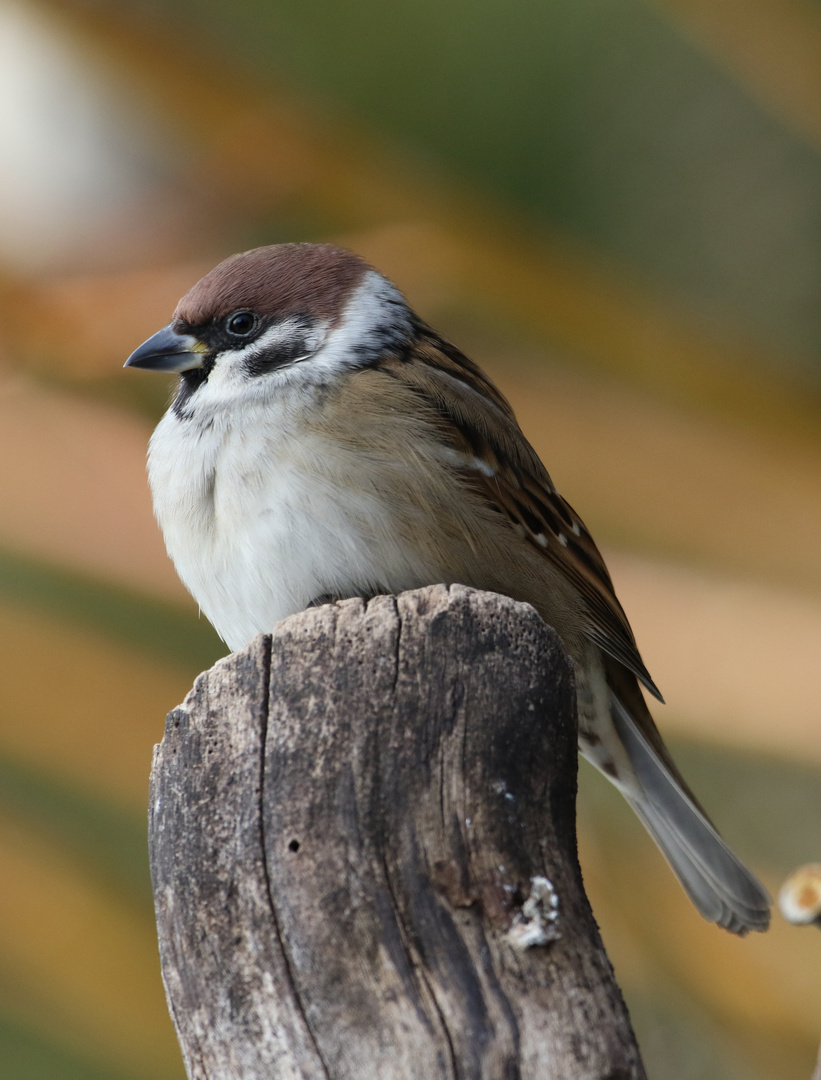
(720, 886)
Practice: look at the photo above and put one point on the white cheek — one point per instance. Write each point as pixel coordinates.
(375, 317)
(227, 381)
(231, 385)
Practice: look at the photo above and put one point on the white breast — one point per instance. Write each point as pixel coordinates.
(260, 518)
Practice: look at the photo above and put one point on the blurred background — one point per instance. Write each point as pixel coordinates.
(612, 205)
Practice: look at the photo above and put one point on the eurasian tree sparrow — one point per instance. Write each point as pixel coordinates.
(324, 442)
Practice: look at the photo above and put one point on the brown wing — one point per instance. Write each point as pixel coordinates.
(482, 429)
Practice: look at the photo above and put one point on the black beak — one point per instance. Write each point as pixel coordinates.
(168, 350)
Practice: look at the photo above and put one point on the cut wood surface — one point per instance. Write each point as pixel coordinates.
(363, 851)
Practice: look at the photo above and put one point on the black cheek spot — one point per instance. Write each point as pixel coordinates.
(278, 355)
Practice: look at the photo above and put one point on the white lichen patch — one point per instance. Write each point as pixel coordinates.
(538, 921)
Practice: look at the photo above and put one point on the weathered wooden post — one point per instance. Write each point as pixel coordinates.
(358, 828)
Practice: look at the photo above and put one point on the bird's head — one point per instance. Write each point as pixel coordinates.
(289, 310)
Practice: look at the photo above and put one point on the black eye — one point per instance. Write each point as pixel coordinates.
(241, 323)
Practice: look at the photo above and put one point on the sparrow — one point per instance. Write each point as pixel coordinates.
(324, 442)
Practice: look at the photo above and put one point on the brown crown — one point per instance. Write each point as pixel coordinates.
(283, 279)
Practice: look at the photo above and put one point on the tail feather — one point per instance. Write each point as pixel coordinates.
(720, 886)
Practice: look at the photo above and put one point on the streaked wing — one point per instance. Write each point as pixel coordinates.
(483, 432)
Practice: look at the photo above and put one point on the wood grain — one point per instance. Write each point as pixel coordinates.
(347, 819)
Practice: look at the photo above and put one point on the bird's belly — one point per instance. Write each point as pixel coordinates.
(261, 548)
(262, 520)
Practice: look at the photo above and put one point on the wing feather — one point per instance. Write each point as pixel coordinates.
(499, 462)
